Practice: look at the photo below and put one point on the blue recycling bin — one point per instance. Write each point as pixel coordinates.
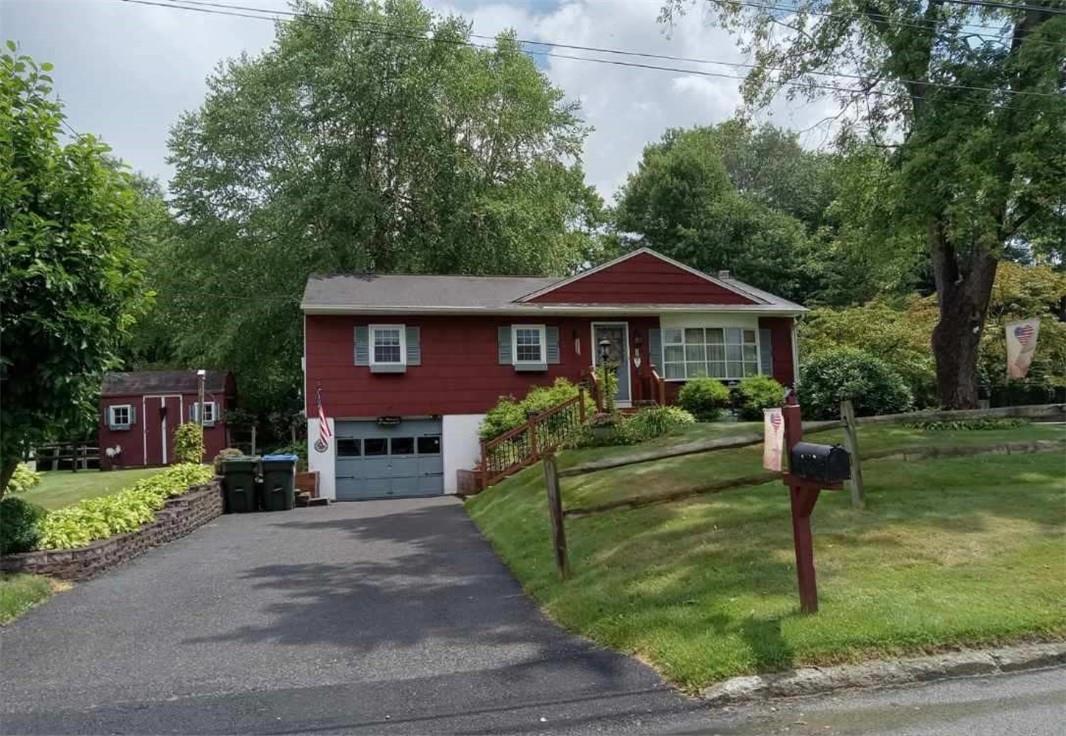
(279, 482)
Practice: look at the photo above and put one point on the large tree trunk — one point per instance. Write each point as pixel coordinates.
(7, 469)
(964, 287)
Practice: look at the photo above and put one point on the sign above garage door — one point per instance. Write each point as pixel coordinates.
(392, 461)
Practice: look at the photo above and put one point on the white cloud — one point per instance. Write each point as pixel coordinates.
(127, 71)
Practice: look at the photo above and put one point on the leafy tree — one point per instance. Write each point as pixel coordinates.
(69, 283)
(975, 120)
(374, 139)
(681, 202)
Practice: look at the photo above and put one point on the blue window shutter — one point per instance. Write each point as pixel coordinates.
(362, 345)
(551, 338)
(414, 346)
(192, 411)
(766, 352)
(133, 415)
(655, 348)
(503, 344)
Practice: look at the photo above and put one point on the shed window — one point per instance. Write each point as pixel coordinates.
(119, 416)
(387, 345)
(728, 353)
(529, 344)
(210, 412)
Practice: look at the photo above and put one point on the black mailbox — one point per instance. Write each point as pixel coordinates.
(822, 463)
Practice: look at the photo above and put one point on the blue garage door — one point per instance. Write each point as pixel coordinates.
(389, 461)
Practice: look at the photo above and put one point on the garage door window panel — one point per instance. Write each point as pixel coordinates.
(403, 445)
(349, 447)
(376, 446)
(429, 445)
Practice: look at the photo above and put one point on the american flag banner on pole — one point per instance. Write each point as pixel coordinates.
(324, 432)
(1021, 345)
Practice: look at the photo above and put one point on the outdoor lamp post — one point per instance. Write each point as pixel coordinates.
(201, 376)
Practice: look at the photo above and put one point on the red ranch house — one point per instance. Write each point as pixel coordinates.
(140, 411)
(407, 366)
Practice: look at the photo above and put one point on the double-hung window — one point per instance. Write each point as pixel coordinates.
(728, 353)
(210, 412)
(388, 346)
(119, 416)
(529, 345)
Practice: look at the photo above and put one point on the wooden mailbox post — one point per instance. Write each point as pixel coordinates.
(803, 494)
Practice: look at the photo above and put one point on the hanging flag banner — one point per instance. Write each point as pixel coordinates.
(1021, 345)
(773, 448)
(324, 432)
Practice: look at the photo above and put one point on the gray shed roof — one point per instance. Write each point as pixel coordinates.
(135, 383)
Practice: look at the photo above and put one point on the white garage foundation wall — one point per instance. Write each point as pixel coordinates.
(461, 446)
(324, 462)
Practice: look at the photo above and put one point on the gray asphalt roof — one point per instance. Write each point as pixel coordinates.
(409, 291)
(150, 382)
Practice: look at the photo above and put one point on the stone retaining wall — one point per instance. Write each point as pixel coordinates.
(181, 515)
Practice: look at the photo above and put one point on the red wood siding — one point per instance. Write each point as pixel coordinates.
(132, 440)
(642, 279)
(781, 338)
(459, 374)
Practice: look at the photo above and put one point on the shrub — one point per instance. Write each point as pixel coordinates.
(870, 383)
(23, 480)
(704, 398)
(19, 525)
(189, 443)
(509, 413)
(223, 454)
(756, 393)
(125, 511)
(654, 421)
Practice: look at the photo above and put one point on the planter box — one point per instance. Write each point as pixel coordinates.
(308, 482)
(181, 515)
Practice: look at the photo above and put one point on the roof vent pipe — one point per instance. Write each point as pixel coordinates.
(724, 274)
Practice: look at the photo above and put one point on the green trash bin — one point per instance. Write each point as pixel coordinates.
(279, 481)
(238, 484)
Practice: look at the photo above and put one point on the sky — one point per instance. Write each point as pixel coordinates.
(126, 72)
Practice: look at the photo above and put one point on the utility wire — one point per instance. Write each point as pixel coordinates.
(1009, 6)
(213, 8)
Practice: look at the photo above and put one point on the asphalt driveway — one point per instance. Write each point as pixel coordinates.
(390, 616)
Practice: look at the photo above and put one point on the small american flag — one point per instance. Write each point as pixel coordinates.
(1024, 333)
(324, 433)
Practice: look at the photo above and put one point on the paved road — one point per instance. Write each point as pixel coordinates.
(390, 617)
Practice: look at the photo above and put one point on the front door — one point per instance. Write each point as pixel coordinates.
(162, 415)
(617, 336)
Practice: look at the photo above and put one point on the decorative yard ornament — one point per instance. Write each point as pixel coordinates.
(1021, 345)
(324, 432)
(773, 449)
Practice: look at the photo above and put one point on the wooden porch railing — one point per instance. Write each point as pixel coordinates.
(525, 444)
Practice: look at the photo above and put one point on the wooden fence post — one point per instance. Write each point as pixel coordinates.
(851, 444)
(555, 511)
(581, 404)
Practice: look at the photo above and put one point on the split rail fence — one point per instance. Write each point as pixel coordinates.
(848, 422)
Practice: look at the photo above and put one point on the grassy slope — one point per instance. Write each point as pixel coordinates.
(60, 488)
(949, 552)
(18, 593)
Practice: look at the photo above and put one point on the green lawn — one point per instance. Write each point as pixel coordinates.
(18, 593)
(60, 488)
(951, 552)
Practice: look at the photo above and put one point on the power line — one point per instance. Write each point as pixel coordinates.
(225, 9)
(1009, 6)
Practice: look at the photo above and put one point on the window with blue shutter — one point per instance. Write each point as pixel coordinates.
(503, 344)
(766, 352)
(414, 346)
(120, 416)
(551, 338)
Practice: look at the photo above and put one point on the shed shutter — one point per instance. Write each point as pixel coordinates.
(655, 348)
(551, 337)
(362, 345)
(503, 344)
(766, 352)
(194, 409)
(414, 346)
(133, 415)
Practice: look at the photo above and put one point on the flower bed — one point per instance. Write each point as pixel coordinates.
(179, 515)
